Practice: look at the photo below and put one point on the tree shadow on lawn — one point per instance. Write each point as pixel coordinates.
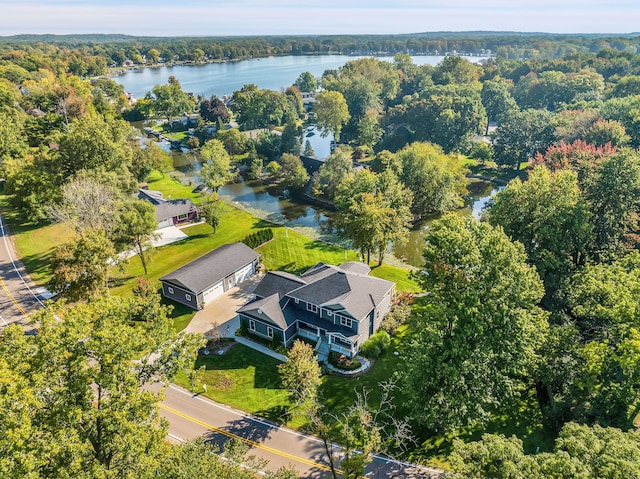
(38, 264)
(293, 268)
(241, 357)
(261, 224)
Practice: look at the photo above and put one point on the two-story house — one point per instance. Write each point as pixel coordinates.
(341, 306)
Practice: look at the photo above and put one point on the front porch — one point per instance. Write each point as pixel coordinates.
(326, 341)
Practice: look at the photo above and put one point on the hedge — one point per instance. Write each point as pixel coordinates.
(259, 237)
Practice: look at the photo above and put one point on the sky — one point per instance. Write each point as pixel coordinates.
(281, 17)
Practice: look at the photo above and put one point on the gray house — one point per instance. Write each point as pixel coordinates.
(170, 212)
(338, 307)
(211, 275)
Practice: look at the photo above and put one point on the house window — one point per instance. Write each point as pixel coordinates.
(187, 297)
(252, 325)
(183, 217)
(329, 313)
(345, 321)
(170, 289)
(312, 307)
(270, 331)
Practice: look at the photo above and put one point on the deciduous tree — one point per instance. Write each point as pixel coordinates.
(216, 170)
(477, 338)
(331, 112)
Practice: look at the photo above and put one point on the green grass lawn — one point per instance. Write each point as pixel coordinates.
(173, 189)
(245, 379)
(34, 243)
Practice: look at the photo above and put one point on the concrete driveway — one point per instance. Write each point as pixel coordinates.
(222, 310)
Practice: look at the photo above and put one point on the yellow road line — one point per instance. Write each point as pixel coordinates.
(13, 300)
(257, 445)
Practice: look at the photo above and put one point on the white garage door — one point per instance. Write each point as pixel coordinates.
(213, 292)
(244, 273)
(165, 223)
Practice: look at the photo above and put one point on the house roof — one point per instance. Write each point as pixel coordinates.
(209, 269)
(278, 282)
(173, 208)
(166, 208)
(346, 289)
(152, 196)
(266, 309)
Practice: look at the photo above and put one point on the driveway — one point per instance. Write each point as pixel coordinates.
(222, 310)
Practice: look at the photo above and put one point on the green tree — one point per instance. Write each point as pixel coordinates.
(369, 130)
(308, 149)
(456, 69)
(333, 171)
(136, 225)
(300, 374)
(94, 142)
(290, 139)
(331, 112)
(153, 55)
(478, 336)
(497, 100)
(88, 413)
(436, 180)
(80, 268)
(211, 211)
(521, 135)
(216, 170)
(605, 132)
(307, 82)
(612, 192)
(548, 215)
(170, 100)
(448, 115)
(234, 141)
(580, 451)
(293, 173)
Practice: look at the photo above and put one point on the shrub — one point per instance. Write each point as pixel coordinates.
(275, 343)
(243, 331)
(258, 238)
(375, 345)
(343, 362)
(396, 317)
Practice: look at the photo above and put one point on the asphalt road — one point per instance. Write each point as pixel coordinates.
(17, 295)
(191, 416)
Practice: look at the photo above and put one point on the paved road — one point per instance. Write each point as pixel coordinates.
(17, 295)
(193, 416)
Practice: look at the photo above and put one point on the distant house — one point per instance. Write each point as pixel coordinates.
(338, 307)
(184, 122)
(170, 212)
(211, 275)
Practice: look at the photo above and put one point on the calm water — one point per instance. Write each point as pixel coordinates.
(221, 79)
(275, 73)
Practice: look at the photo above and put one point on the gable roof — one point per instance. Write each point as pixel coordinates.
(166, 209)
(346, 289)
(173, 208)
(209, 269)
(266, 309)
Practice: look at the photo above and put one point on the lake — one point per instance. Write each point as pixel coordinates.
(273, 73)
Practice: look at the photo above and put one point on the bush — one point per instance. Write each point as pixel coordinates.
(258, 238)
(341, 361)
(396, 317)
(275, 343)
(243, 331)
(375, 345)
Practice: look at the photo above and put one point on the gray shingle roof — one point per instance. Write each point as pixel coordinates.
(345, 290)
(278, 282)
(173, 208)
(207, 270)
(266, 309)
(355, 267)
(152, 196)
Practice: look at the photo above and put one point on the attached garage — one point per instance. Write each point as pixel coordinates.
(244, 273)
(213, 292)
(208, 277)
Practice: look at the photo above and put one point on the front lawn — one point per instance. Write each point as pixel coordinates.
(245, 379)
